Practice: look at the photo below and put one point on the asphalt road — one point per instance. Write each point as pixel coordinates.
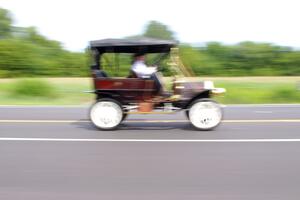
(55, 153)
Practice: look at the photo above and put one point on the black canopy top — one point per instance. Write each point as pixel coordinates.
(140, 45)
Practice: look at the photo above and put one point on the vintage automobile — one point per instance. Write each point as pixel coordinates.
(117, 97)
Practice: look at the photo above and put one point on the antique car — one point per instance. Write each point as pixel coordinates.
(116, 97)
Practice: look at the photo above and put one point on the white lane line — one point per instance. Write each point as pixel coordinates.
(157, 121)
(148, 140)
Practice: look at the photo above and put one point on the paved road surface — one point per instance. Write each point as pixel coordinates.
(254, 154)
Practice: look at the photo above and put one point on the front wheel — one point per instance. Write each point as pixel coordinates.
(124, 116)
(205, 114)
(106, 114)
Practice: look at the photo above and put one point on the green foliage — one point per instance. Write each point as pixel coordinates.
(117, 65)
(158, 30)
(252, 91)
(32, 88)
(23, 58)
(26, 53)
(5, 23)
(200, 63)
(243, 59)
(58, 91)
(69, 91)
(284, 94)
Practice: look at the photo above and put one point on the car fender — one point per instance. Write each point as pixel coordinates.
(201, 95)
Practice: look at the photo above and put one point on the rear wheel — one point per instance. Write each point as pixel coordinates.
(205, 114)
(187, 114)
(106, 114)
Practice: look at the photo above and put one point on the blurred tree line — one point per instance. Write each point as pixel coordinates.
(24, 53)
(243, 59)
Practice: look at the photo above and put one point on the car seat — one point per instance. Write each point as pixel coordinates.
(100, 74)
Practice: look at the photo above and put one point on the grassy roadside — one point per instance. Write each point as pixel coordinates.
(256, 92)
(67, 91)
(240, 90)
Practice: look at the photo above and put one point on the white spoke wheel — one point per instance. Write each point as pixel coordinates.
(106, 114)
(205, 114)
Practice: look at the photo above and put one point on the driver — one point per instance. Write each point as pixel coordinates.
(141, 70)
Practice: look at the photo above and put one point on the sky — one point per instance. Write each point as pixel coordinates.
(75, 22)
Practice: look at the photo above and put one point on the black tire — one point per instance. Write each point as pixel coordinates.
(217, 118)
(187, 114)
(114, 105)
(124, 116)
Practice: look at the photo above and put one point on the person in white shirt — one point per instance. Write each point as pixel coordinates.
(140, 68)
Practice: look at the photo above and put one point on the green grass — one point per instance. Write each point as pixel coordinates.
(64, 91)
(259, 92)
(32, 88)
(70, 91)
